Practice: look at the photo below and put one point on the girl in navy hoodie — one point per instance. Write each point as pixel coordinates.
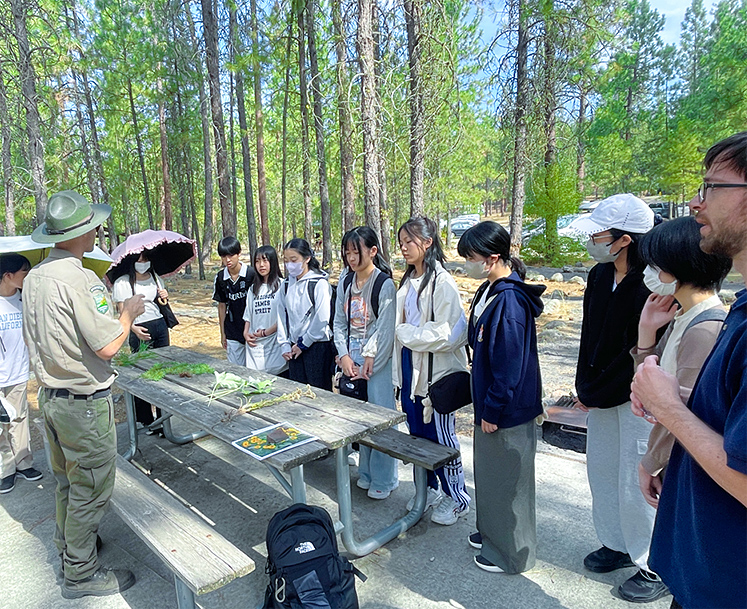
(507, 396)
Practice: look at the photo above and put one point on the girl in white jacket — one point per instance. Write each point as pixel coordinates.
(304, 310)
(430, 319)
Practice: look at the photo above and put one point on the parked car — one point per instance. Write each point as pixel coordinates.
(566, 228)
(661, 208)
(461, 223)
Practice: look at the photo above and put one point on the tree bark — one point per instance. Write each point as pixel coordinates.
(413, 16)
(286, 100)
(140, 155)
(30, 103)
(7, 161)
(345, 122)
(207, 161)
(246, 154)
(316, 92)
(383, 200)
(369, 116)
(210, 31)
(259, 121)
(520, 141)
(167, 220)
(305, 150)
(581, 154)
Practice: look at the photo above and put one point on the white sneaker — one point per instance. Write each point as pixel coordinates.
(353, 459)
(448, 512)
(364, 484)
(432, 499)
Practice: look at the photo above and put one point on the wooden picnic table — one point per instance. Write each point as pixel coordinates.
(336, 420)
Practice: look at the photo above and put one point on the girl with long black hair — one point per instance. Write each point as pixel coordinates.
(364, 337)
(261, 316)
(304, 309)
(507, 397)
(431, 332)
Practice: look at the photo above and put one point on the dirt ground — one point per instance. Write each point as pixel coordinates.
(191, 300)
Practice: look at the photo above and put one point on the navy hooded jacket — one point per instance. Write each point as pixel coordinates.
(506, 383)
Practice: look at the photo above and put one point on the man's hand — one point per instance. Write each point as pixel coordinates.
(650, 486)
(141, 332)
(655, 392)
(134, 306)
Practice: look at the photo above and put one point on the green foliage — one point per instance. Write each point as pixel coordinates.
(569, 251)
(161, 369)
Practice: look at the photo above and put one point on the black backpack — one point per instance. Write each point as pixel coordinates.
(305, 568)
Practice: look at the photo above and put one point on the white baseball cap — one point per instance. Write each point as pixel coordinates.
(624, 212)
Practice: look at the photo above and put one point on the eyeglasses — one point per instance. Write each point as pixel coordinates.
(703, 188)
(601, 238)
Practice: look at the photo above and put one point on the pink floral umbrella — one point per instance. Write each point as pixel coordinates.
(167, 251)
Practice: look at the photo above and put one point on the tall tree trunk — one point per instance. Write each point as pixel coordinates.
(167, 220)
(520, 141)
(383, 201)
(581, 154)
(550, 103)
(33, 120)
(316, 91)
(140, 155)
(259, 120)
(305, 149)
(286, 100)
(7, 162)
(345, 121)
(207, 161)
(413, 16)
(231, 134)
(246, 153)
(369, 115)
(210, 31)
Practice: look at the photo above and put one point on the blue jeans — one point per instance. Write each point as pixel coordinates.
(374, 467)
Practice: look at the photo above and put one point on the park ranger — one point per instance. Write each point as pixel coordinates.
(72, 335)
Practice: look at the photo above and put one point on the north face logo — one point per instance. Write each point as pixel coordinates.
(304, 547)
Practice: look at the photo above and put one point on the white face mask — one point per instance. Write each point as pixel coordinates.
(294, 269)
(653, 282)
(476, 270)
(601, 251)
(142, 267)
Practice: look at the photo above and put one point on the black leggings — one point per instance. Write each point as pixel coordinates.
(314, 366)
(159, 337)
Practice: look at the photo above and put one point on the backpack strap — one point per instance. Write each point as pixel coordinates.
(381, 277)
(712, 314)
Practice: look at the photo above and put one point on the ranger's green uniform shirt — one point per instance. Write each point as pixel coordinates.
(68, 315)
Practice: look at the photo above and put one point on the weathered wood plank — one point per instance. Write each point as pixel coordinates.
(334, 404)
(335, 419)
(411, 449)
(200, 556)
(213, 418)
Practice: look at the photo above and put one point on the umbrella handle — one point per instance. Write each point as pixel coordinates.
(162, 302)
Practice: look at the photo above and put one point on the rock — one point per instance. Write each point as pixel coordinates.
(536, 277)
(579, 265)
(460, 271)
(578, 280)
(552, 307)
(548, 336)
(557, 295)
(567, 269)
(728, 296)
(555, 323)
(556, 277)
(186, 291)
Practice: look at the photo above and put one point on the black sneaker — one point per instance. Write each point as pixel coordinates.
(475, 540)
(605, 560)
(484, 564)
(643, 587)
(7, 484)
(30, 473)
(102, 583)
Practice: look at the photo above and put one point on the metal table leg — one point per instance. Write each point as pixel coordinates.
(185, 439)
(345, 502)
(131, 425)
(299, 486)
(185, 598)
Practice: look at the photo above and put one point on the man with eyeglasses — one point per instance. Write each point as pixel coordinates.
(699, 546)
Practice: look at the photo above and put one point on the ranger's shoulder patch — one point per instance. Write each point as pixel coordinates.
(100, 298)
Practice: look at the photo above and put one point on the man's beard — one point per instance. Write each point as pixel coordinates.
(729, 241)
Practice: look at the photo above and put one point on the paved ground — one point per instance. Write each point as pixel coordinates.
(430, 567)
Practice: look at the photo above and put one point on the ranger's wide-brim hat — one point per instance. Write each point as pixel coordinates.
(69, 215)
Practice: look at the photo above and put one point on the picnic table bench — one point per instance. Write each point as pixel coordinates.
(201, 559)
(337, 421)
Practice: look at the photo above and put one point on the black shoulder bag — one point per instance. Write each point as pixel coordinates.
(352, 388)
(453, 391)
(165, 308)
